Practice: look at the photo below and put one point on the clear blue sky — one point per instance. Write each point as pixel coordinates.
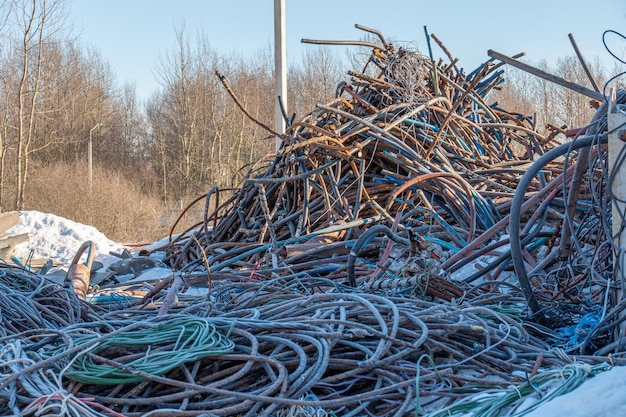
(132, 34)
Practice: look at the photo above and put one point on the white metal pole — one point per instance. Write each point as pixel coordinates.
(616, 125)
(280, 62)
(90, 160)
(90, 157)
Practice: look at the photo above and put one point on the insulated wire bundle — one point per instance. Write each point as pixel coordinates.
(353, 352)
(282, 345)
(155, 346)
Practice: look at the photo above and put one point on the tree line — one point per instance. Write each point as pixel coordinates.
(56, 95)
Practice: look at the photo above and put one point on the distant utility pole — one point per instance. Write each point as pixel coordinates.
(90, 169)
(280, 72)
(90, 157)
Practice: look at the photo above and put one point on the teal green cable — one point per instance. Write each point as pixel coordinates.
(153, 349)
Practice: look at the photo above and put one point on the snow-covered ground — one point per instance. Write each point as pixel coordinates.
(58, 239)
(600, 396)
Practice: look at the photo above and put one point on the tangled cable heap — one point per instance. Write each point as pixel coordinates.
(409, 246)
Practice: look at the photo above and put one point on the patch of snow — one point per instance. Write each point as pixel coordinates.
(57, 238)
(600, 396)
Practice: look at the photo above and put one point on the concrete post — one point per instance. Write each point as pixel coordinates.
(280, 71)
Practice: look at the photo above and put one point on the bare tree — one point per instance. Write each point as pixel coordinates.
(174, 113)
(253, 82)
(198, 134)
(514, 95)
(551, 103)
(572, 109)
(4, 119)
(315, 80)
(36, 23)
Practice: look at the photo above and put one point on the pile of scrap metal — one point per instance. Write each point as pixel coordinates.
(409, 246)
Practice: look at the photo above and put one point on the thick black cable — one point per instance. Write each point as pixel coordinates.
(516, 211)
(354, 253)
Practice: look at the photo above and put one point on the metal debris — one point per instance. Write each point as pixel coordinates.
(410, 244)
